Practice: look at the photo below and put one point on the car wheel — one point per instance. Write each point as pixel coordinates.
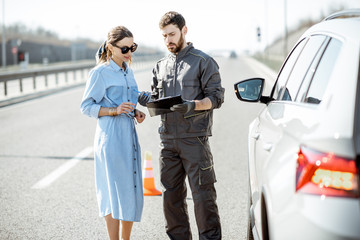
(264, 220)
(249, 228)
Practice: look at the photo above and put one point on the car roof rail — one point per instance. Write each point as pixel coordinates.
(355, 12)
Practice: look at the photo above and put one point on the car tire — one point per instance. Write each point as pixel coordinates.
(264, 220)
(249, 227)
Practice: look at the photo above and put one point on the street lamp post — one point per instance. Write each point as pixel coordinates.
(266, 29)
(286, 31)
(3, 36)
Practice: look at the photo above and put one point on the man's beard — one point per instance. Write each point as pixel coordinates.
(179, 45)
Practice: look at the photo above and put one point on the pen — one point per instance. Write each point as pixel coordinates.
(140, 92)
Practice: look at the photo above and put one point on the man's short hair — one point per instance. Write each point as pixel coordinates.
(172, 18)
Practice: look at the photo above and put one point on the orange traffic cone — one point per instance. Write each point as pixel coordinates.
(148, 176)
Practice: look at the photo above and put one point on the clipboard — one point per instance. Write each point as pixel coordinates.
(163, 105)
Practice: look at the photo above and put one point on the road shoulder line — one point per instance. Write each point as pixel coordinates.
(54, 175)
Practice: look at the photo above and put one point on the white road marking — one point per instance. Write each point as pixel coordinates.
(46, 181)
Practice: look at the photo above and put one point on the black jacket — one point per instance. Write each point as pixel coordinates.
(194, 75)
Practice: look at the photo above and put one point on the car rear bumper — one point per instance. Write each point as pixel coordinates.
(313, 217)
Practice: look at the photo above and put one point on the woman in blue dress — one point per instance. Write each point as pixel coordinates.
(111, 97)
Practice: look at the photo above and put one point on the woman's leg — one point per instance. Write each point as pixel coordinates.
(126, 230)
(112, 227)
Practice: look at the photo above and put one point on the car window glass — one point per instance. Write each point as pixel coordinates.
(302, 66)
(323, 72)
(310, 73)
(286, 69)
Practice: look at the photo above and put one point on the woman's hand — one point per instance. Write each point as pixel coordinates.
(140, 116)
(125, 107)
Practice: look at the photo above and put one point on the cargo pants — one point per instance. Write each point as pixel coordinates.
(189, 157)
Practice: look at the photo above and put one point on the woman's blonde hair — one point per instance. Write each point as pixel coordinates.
(115, 35)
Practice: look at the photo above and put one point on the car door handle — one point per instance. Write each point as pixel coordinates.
(267, 146)
(256, 135)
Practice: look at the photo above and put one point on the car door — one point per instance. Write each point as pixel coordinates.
(269, 131)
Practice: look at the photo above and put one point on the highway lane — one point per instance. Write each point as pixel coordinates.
(42, 136)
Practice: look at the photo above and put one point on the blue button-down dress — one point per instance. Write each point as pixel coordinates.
(116, 148)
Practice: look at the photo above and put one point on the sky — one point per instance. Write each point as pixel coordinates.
(212, 24)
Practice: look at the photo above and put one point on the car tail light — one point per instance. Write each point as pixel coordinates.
(326, 174)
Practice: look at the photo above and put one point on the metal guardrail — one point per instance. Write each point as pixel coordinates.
(45, 71)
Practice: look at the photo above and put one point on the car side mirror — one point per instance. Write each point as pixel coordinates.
(249, 90)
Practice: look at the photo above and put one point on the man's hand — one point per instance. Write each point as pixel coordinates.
(140, 116)
(144, 98)
(184, 107)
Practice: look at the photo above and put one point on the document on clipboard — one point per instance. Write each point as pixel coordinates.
(163, 105)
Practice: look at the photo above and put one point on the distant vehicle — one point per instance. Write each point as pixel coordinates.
(304, 146)
(233, 54)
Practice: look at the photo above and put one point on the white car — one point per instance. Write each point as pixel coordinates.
(304, 146)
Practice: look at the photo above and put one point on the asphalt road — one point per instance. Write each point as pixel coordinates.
(47, 188)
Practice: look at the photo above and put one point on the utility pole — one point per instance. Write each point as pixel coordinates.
(286, 31)
(266, 32)
(3, 36)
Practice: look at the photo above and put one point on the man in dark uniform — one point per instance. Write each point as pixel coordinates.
(184, 133)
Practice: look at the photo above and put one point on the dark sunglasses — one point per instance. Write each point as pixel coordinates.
(125, 50)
